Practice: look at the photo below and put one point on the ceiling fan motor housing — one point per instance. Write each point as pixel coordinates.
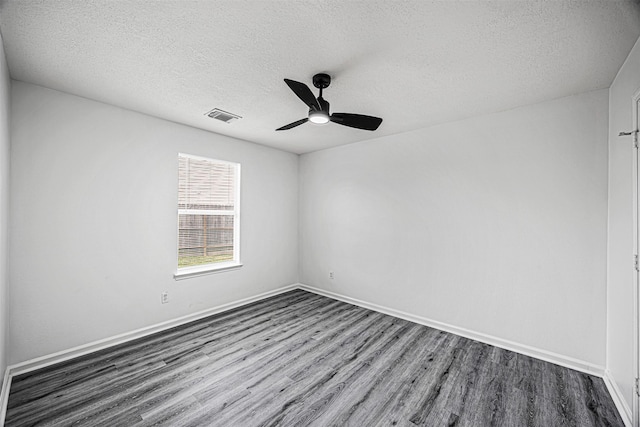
(324, 105)
(322, 116)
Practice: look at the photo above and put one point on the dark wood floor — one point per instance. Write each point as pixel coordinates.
(301, 359)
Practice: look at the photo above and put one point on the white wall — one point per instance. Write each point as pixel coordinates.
(93, 221)
(620, 269)
(4, 202)
(496, 224)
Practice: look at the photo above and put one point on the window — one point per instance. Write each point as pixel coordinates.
(208, 215)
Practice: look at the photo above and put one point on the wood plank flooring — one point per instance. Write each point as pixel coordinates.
(300, 359)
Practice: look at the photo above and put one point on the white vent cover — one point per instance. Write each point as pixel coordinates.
(222, 115)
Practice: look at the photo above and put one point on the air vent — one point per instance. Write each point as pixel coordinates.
(221, 115)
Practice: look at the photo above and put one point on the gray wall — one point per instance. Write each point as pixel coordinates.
(496, 224)
(94, 221)
(620, 318)
(4, 202)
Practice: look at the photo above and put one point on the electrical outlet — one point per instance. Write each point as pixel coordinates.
(164, 297)
(331, 275)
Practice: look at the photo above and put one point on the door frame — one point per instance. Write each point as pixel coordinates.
(636, 253)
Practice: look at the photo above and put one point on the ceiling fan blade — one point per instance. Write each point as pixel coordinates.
(304, 93)
(358, 121)
(294, 124)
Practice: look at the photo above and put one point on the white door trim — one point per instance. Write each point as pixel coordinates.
(636, 251)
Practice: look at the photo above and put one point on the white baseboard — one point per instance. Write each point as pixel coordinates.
(558, 359)
(618, 398)
(4, 395)
(61, 356)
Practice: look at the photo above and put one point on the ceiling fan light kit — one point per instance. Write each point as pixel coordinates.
(318, 117)
(319, 107)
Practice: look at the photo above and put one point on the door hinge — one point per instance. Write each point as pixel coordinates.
(637, 386)
(636, 262)
(635, 136)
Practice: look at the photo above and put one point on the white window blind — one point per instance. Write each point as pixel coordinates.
(208, 212)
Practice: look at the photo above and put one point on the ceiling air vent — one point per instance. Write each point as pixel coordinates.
(222, 115)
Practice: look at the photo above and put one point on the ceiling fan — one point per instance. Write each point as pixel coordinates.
(319, 108)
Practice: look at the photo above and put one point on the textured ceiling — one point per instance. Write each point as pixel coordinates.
(413, 63)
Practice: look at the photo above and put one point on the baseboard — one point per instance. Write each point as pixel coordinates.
(4, 395)
(558, 359)
(618, 398)
(61, 356)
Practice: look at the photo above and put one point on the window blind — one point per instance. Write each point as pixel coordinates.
(205, 184)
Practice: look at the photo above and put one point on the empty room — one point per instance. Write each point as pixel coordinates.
(319, 213)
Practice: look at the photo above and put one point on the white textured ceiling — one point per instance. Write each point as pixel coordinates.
(413, 63)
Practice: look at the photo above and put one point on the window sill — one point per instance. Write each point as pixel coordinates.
(186, 273)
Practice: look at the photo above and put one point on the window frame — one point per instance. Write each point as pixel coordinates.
(235, 263)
